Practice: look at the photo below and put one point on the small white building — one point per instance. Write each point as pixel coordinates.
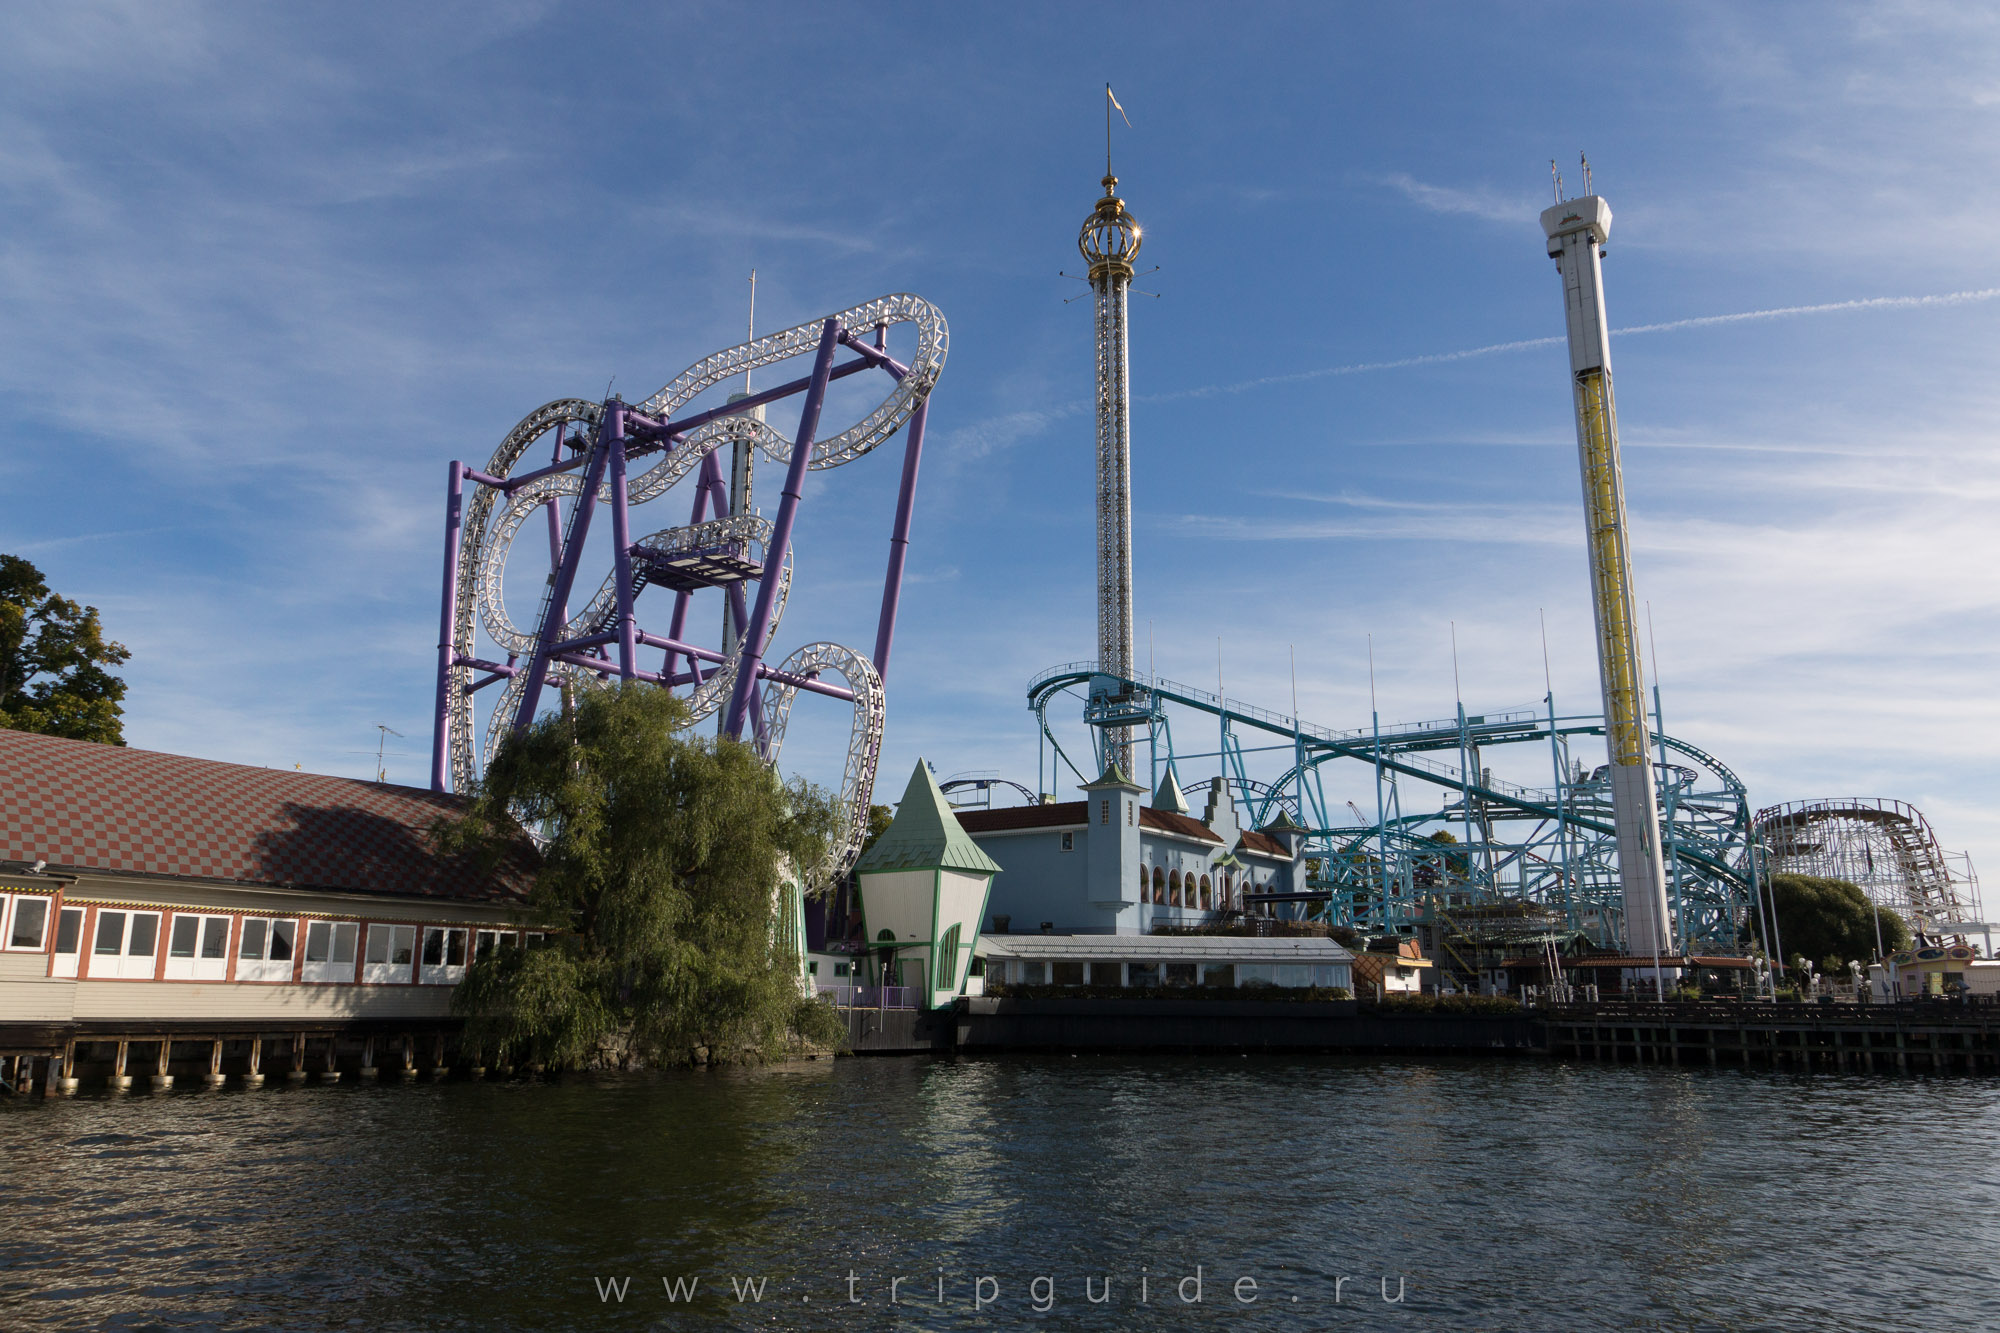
(923, 894)
(1167, 961)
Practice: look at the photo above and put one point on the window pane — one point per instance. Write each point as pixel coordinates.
(68, 927)
(181, 942)
(1143, 974)
(31, 920)
(345, 936)
(252, 945)
(215, 937)
(1067, 974)
(1180, 974)
(283, 935)
(1218, 974)
(379, 939)
(406, 944)
(319, 940)
(454, 948)
(110, 932)
(145, 935)
(433, 947)
(484, 943)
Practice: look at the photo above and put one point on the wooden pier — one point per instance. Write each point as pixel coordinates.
(55, 1060)
(1912, 1036)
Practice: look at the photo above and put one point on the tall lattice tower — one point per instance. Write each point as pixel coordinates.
(1577, 229)
(1109, 240)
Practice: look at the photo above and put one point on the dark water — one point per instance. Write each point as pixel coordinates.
(1494, 1195)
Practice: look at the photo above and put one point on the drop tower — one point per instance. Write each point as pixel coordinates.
(1576, 230)
(1109, 241)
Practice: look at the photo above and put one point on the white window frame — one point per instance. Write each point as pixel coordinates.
(443, 973)
(1067, 842)
(389, 973)
(199, 967)
(123, 963)
(66, 964)
(332, 968)
(262, 966)
(12, 912)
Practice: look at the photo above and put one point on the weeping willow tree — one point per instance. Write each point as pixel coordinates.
(659, 891)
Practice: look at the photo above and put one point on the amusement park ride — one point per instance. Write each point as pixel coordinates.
(1654, 854)
(725, 548)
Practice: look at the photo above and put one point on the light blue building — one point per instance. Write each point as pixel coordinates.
(1115, 863)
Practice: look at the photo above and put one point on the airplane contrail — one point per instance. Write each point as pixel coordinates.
(1778, 312)
(1521, 344)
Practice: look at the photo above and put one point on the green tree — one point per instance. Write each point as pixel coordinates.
(659, 888)
(879, 819)
(1831, 921)
(53, 656)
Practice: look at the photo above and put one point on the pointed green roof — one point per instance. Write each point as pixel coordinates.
(925, 835)
(1113, 776)
(1169, 797)
(1284, 823)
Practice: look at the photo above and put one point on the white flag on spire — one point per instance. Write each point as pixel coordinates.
(1121, 110)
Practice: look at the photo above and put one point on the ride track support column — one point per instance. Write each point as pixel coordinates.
(454, 528)
(752, 660)
(621, 544)
(565, 576)
(899, 539)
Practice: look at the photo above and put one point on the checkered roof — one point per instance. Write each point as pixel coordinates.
(80, 805)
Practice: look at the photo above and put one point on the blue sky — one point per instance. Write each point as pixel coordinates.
(265, 270)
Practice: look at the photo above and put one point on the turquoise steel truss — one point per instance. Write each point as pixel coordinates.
(1383, 866)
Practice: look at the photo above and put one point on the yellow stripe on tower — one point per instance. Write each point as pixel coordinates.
(1611, 571)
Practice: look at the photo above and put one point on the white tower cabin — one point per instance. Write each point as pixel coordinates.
(923, 894)
(1576, 230)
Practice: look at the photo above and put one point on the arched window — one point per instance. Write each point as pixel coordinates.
(1159, 885)
(1204, 893)
(946, 975)
(1173, 888)
(1144, 880)
(885, 936)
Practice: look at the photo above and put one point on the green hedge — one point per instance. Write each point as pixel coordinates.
(1447, 1004)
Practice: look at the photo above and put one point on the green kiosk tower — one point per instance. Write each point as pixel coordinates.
(923, 894)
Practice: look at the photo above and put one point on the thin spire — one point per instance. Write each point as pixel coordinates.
(750, 328)
(1110, 101)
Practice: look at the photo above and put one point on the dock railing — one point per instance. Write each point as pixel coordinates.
(869, 997)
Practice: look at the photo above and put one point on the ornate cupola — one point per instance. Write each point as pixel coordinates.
(1110, 236)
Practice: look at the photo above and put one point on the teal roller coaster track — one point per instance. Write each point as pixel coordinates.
(1489, 839)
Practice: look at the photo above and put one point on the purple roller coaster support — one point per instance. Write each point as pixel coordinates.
(759, 626)
(899, 539)
(454, 526)
(565, 576)
(621, 551)
(678, 625)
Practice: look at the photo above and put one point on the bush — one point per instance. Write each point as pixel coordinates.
(1447, 1004)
